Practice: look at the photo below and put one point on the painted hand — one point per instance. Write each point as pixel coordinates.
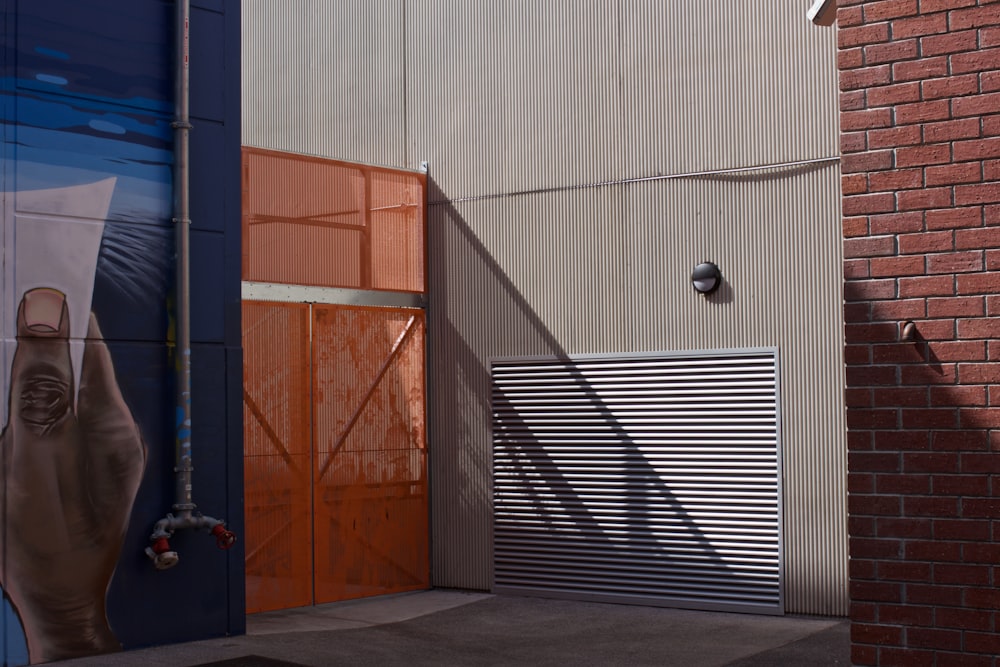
(70, 477)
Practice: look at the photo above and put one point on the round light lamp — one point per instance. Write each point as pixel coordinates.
(706, 277)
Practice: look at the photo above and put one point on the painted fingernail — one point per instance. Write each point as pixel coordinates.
(43, 309)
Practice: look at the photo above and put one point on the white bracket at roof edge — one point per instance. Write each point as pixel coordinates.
(823, 12)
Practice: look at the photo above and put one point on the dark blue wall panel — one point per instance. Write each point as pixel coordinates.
(87, 95)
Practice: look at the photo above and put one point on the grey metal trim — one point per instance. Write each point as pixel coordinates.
(651, 478)
(254, 291)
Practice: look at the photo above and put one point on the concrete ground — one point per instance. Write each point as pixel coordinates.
(443, 627)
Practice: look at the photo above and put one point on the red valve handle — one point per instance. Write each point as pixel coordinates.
(224, 539)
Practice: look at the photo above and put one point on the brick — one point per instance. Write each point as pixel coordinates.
(898, 179)
(890, 52)
(906, 614)
(991, 126)
(867, 376)
(861, 35)
(950, 130)
(950, 42)
(984, 552)
(910, 657)
(953, 174)
(923, 112)
(903, 571)
(989, 36)
(849, 16)
(961, 529)
(894, 137)
(871, 419)
(864, 547)
(961, 485)
(963, 659)
(982, 642)
(977, 283)
(941, 596)
(855, 268)
(874, 505)
(916, 375)
(978, 238)
(954, 218)
(969, 575)
(969, 306)
(965, 619)
(897, 310)
(858, 398)
(910, 265)
(875, 634)
(979, 417)
(983, 598)
(854, 227)
(850, 59)
(979, 327)
(926, 242)
(989, 82)
(871, 246)
(853, 100)
(988, 373)
(918, 156)
(976, 105)
(867, 290)
(964, 441)
(865, 78)
(957, 397)
(853, 142)
(950, 87)
(934, 638)
(979, 149)
(933, 550)
(931, 6)
(991, 170)
(981, 193)
(860, 483)
(855, 184)
(920, 70)
(919, 26)
(868, 161)
(900, 440)
(974, 17)
(861, 654)
(931, 330)
(865, 120)
(901, 397)
(927, 286)
(923, 199)
(960, 350)
(889, 9)
(955, 262)
(930, 418)
(976, 61)
(895, 484)
(898, 223)
(906, 528)
(933, 506)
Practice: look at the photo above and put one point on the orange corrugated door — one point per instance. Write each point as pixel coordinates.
(277, 455)
(371, 525)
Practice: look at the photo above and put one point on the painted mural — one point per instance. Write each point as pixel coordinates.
(85, 115)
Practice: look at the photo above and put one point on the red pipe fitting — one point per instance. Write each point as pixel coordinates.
(160, 545)
(224, 539)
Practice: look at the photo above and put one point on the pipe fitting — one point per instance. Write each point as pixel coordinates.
(224, 539)
(161, 554)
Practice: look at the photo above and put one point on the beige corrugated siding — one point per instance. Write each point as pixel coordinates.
(536, 118)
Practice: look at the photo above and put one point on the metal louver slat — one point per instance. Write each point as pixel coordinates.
(652, 479)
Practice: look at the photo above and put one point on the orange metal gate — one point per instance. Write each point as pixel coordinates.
(334, 395)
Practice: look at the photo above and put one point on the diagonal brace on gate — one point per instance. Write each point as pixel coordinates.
(397, 347)
(269, 432)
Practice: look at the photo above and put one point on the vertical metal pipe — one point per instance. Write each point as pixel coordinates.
(182, 225)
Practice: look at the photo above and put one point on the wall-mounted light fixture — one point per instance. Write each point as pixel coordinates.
(706, 277)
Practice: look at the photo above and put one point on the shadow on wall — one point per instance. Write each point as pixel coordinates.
(505, 324)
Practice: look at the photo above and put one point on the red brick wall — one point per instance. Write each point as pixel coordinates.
(920, 137)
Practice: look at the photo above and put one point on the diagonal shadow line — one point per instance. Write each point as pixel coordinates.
(472, 367)
(397, 347)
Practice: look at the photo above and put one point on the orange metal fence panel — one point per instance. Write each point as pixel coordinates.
(277, 455)
(313, 221)
(370, 504)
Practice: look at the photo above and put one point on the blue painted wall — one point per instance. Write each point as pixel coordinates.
(87, 94)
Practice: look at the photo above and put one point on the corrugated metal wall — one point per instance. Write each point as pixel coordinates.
(567, 210)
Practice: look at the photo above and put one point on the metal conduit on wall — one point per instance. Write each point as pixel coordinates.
(515, 106)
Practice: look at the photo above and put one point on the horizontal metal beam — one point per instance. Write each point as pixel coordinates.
(341, 296)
